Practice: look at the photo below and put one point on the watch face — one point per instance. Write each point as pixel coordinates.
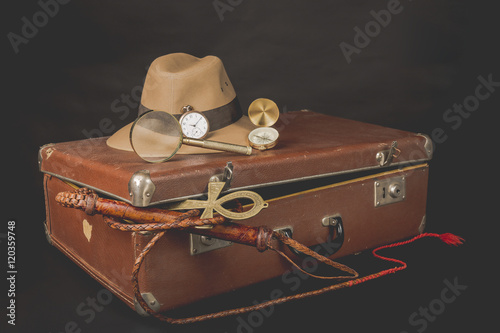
(194, 125)
(263, 138)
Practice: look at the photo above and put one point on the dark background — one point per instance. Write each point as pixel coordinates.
(83, 60)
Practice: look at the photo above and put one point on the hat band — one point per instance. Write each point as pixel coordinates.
(217, 118)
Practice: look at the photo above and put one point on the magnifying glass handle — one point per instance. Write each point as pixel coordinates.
(216, 145)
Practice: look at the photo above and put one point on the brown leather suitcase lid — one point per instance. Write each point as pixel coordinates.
(311, 145)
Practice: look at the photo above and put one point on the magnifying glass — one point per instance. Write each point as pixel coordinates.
(156, 136)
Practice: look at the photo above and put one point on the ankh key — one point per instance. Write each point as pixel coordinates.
(212, 203)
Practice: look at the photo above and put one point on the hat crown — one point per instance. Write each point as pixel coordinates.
(180, 79)
(178, 63)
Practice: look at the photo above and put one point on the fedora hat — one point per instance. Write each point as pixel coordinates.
(177, 80)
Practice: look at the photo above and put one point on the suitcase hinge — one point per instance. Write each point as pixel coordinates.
(385, 157)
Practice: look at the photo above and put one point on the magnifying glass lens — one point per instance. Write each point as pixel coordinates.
(156, 136)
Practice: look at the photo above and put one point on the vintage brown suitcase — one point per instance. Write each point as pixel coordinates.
(338, 186)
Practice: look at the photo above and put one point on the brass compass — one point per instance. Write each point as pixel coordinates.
(263, 113)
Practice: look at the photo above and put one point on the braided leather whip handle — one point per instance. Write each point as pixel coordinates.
(80, 199)
(151, 219)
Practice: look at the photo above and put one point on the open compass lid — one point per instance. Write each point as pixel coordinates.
(263, 112)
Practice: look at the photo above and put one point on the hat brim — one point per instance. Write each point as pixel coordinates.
(236, 133)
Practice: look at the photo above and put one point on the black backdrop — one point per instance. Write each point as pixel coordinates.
(68, 69)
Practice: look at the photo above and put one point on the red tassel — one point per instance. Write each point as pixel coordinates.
(451, 239)
(447, 238)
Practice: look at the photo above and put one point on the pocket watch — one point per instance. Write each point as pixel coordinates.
(263, 113)
(194, 124)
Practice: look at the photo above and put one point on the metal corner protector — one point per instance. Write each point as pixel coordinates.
(141, 188)
(40, 156)
(428, 145)
(152, 302)
(422, 225)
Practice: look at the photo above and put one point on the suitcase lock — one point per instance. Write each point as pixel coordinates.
(390, 190)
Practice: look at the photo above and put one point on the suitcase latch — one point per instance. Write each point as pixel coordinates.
(226, 176)
(385, 157)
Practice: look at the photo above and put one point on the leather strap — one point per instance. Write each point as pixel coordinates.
(217, 118)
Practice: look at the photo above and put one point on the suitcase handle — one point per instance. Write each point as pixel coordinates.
(333, 243)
